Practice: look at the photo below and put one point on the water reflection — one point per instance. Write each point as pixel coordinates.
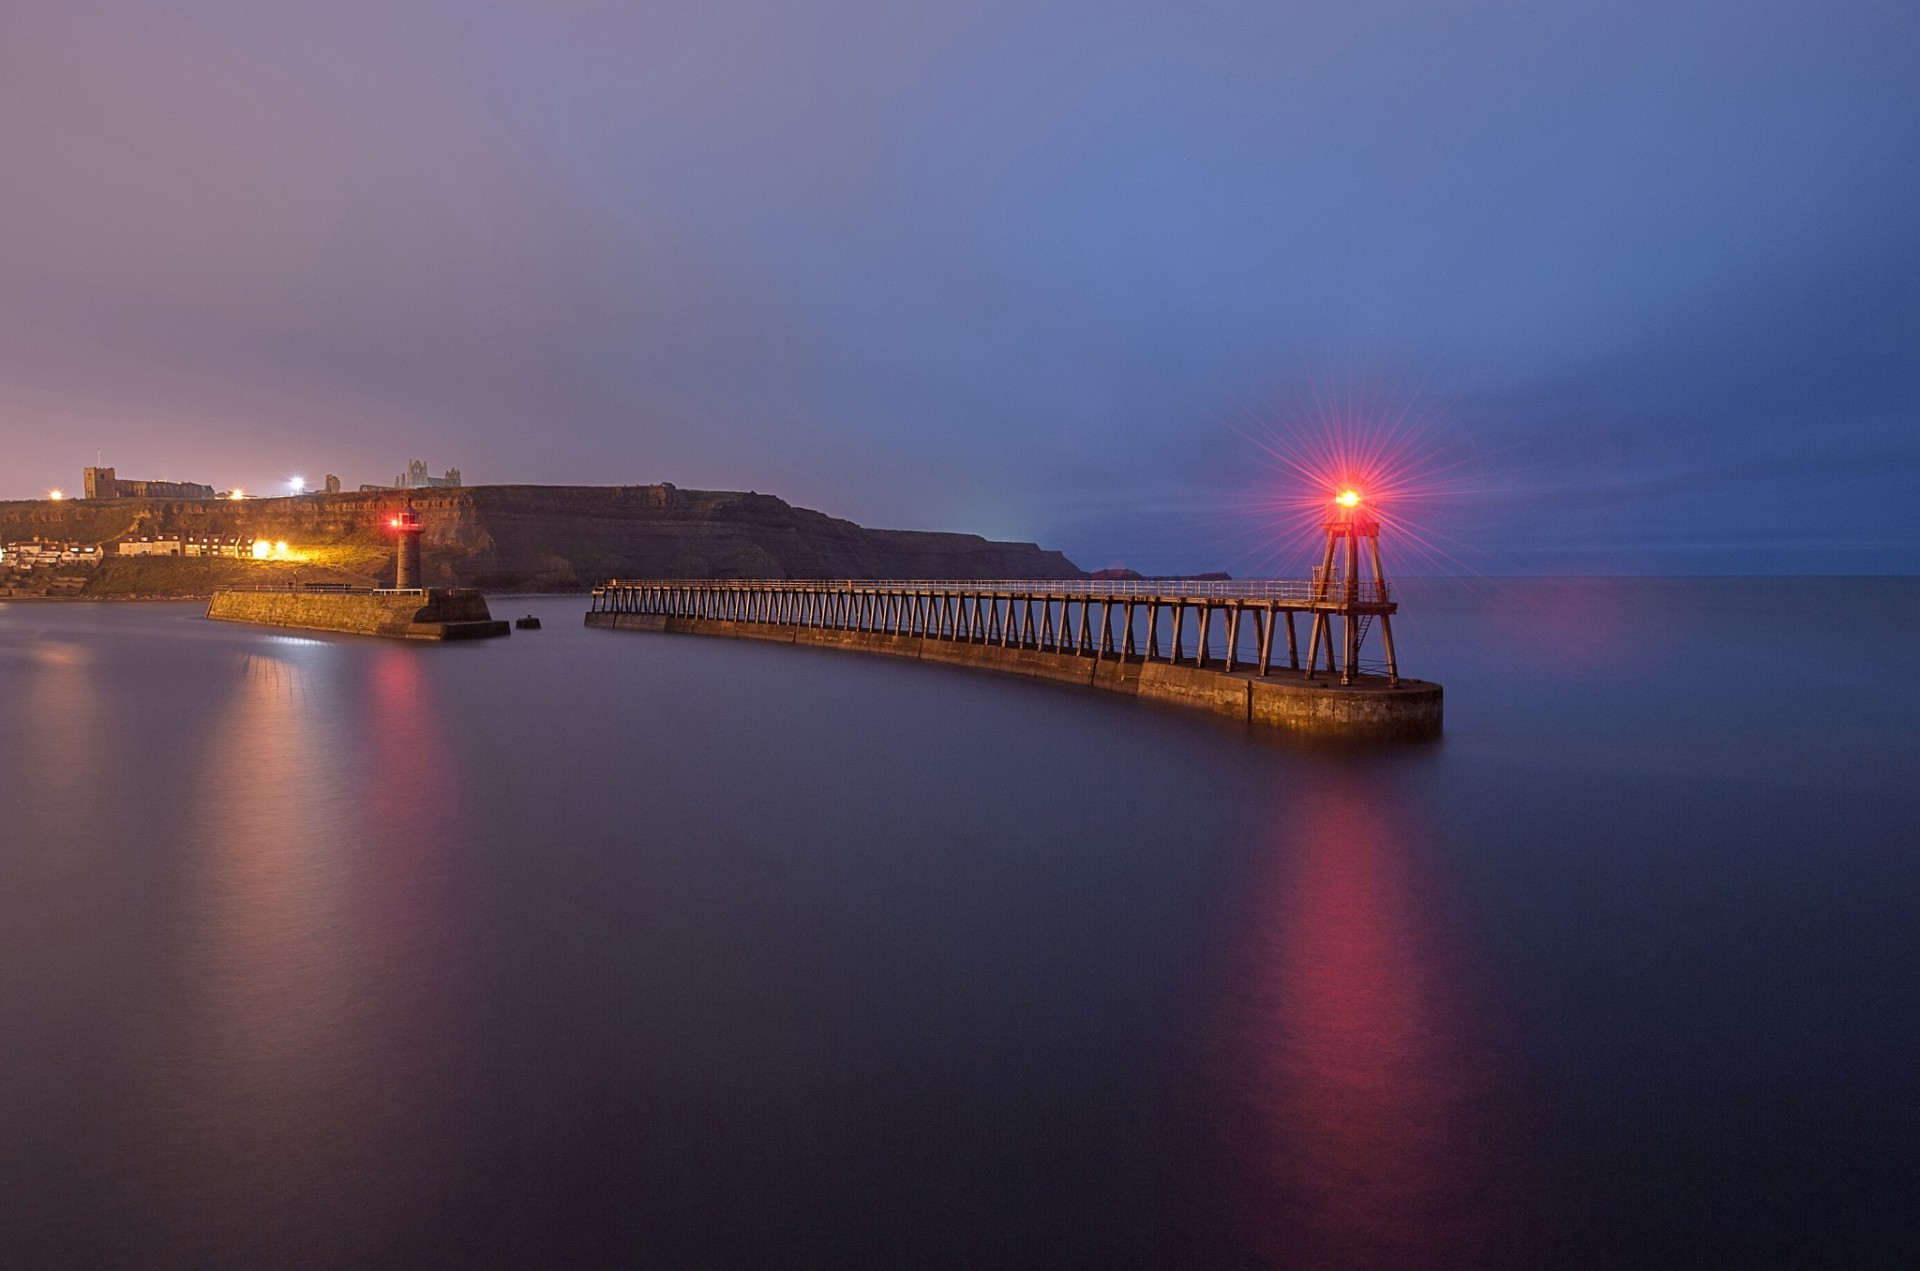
(347, 953)
(409, 780)
(276, 1026)
(1365, 1114)
(62, 746)
(326, 813)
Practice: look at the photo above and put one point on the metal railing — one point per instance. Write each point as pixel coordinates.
(325, 589)
(1333, 589)
(1216, 620)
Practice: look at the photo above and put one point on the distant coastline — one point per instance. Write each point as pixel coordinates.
(500, 539)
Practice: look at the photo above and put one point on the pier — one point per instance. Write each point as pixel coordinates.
(408, 613)
(1283, 653)
(404, 611)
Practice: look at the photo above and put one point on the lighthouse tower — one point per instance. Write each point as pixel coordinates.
(1344, 589)
(406, 573)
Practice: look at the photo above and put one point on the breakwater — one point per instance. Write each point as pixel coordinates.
(413, 614)
(1205, 646)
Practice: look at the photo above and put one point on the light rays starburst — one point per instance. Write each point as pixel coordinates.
(1357, 445)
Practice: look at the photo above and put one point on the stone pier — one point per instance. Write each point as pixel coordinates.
(1213, 652)
(415, 614)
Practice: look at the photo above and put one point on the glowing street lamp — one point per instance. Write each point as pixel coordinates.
(299, 485)
(1348, 498)
(56, 495)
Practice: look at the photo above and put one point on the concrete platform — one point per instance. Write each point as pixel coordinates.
(428, 614)
(1369, 709)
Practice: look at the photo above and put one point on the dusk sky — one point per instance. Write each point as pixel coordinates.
(1646, 275)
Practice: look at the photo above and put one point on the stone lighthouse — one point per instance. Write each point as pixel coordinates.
(406, 573)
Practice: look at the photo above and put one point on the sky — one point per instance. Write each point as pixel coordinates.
(1631, 287)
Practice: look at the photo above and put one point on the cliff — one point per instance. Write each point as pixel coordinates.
(528, 538)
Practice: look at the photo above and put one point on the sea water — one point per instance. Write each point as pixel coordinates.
(587, 948)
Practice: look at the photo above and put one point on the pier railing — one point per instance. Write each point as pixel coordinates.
(324, 589)
(1200, 622)
(1331, 590)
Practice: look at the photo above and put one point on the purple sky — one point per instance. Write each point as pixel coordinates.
(1649, 272)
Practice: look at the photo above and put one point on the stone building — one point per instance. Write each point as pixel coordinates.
(101, 483)
(416, 478)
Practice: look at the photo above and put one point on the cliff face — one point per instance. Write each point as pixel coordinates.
(561, 537)
(575, 536)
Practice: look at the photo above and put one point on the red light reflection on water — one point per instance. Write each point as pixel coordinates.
(412, 791)
(1364, 1114)
(317, 955)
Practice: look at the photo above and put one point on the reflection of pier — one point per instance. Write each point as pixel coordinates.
(1230, 647)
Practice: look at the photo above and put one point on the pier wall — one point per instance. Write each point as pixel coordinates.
(418, 615)
(1283, 700)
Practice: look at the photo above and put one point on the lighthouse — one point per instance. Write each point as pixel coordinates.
(406, 572)
(1348, 593)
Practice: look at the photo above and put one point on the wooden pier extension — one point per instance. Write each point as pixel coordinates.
(1228, 647)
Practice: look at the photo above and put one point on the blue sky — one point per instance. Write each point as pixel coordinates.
(1646, 276)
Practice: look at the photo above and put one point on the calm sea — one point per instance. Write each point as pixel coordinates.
(591, 949)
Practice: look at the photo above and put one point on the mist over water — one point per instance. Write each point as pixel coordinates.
(598, 948)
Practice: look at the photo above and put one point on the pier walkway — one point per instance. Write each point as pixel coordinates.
(1232, 647)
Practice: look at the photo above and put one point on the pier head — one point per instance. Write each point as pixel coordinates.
(428, 613)
(404, 611)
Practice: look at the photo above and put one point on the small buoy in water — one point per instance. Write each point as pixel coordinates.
(528, 623)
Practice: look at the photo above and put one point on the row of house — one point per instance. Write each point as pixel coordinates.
(45, 553)
(185, 545)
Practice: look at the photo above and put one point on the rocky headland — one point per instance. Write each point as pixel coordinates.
(513, 538)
